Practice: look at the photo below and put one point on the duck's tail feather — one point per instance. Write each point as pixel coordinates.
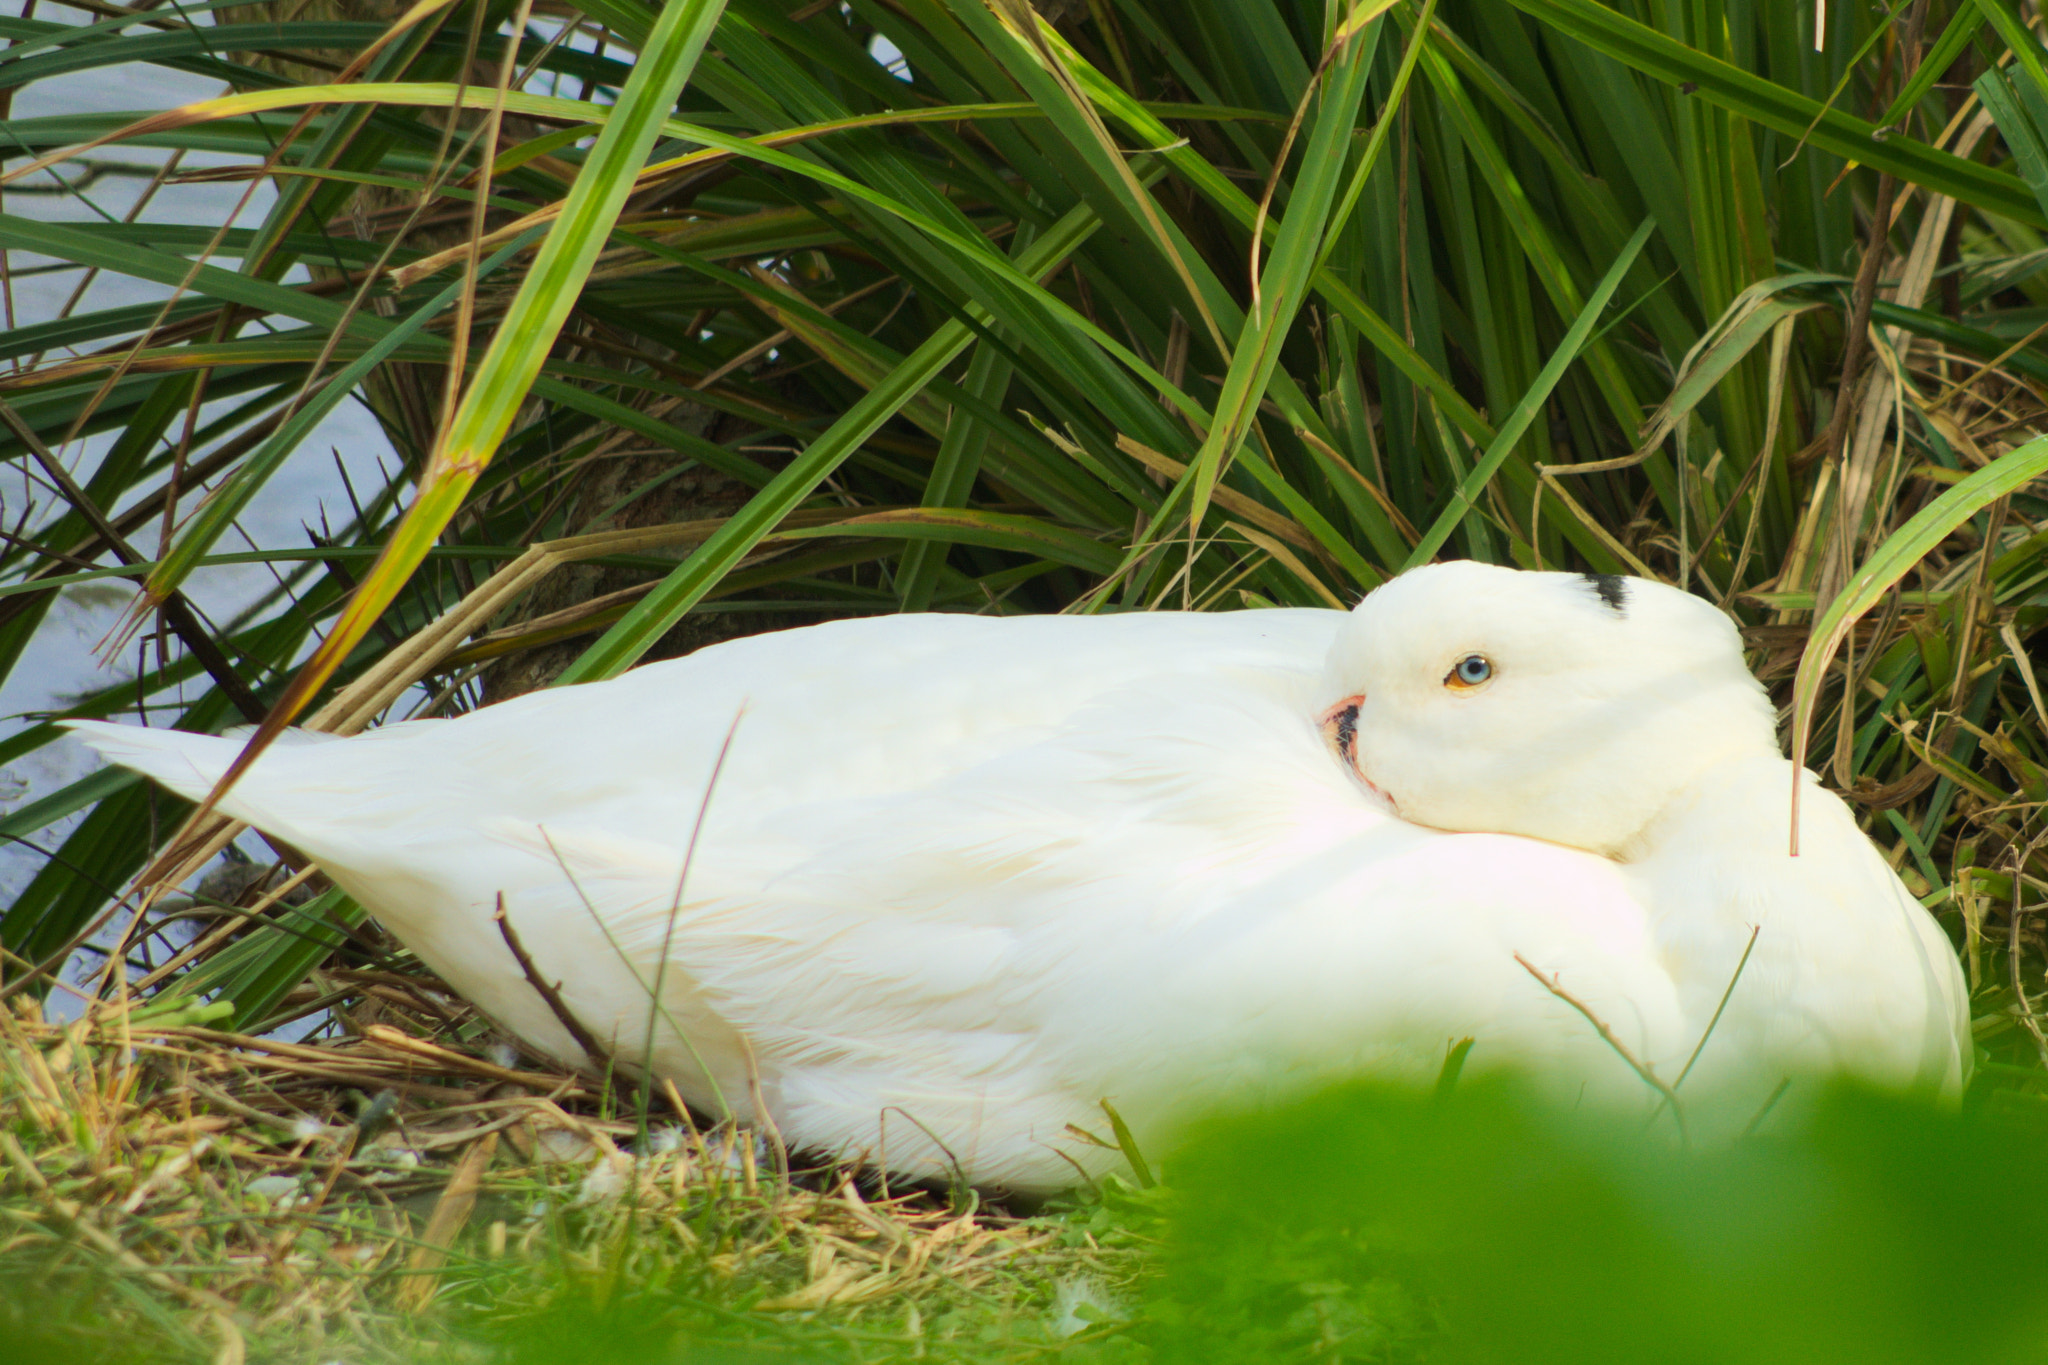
(186, 763)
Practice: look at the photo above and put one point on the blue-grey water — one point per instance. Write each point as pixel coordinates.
(61, 660)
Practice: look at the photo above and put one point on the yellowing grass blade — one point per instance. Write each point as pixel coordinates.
(1281, 288)
(518, 348)
(415, 94)
(1893, 560)
(228, 502)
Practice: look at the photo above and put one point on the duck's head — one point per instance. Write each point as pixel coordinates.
(1567, 707)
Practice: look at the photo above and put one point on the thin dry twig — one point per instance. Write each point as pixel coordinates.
(1648, 1074)
(2024, 1006)
(599, 1054)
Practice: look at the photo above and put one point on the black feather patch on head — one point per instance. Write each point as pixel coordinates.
(1612, 589)
(1347, 733)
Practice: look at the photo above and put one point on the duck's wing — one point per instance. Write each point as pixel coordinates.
(903, 974)
(860, 709)
(1176, 898)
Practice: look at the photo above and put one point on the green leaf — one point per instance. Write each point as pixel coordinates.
(518, 347)
(1892, 561)
(1525, 412)
(650, 619)
(1774, 106)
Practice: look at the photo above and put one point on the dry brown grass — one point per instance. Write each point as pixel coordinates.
(183, 1193)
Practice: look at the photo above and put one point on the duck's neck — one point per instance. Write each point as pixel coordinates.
(1741, 804)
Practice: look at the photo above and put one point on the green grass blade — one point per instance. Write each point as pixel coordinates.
(1525, 412)
(1774, 106)
(1962, 26)
(996, 530)
(651, 617)
(953, 474)
(126, 258)
(259, 969)
(1282, 284)
(518, 347)
(1893, 560)
(213, 520)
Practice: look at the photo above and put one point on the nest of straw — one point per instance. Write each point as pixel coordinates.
(177, 1192)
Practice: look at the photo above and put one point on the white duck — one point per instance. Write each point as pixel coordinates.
(962, 879)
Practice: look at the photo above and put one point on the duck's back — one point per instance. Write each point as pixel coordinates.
(851, 709)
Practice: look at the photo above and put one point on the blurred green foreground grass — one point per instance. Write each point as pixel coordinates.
(1363, 1226)
(1359, 1225)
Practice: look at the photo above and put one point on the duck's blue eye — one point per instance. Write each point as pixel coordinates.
(1470, 671)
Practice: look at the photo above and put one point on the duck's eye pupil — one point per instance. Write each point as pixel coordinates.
(1473, 670)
